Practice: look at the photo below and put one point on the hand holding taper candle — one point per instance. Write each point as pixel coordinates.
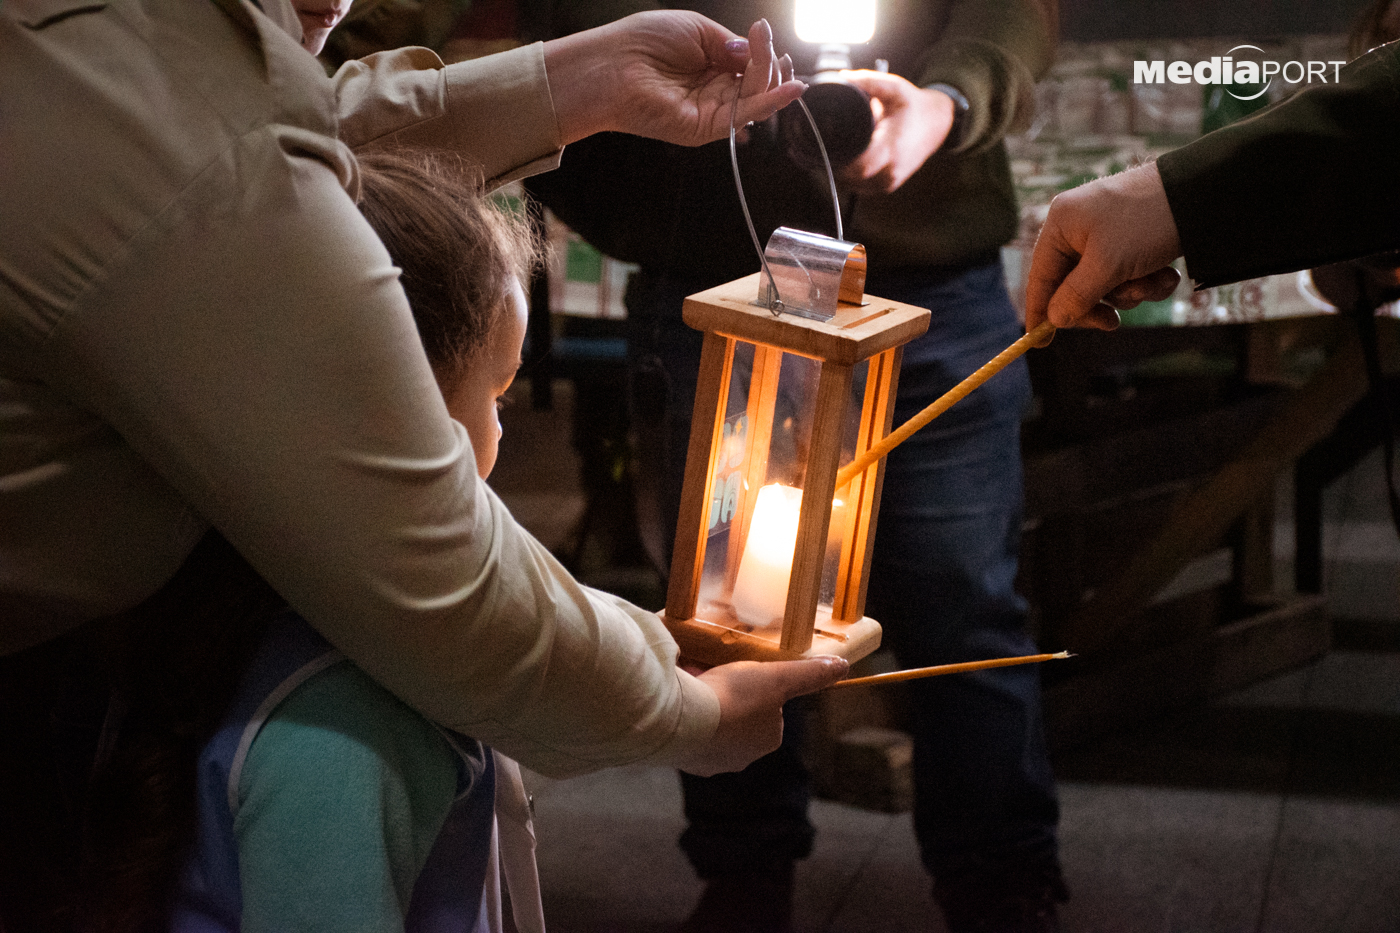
(917, 673)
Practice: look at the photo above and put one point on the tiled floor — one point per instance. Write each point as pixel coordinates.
(1275, 809)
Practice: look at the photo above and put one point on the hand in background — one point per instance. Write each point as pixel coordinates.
(1105, 245)
(911, 124)
(667, 74)
(751, 697)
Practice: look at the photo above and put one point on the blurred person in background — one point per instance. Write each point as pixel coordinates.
(931, 198)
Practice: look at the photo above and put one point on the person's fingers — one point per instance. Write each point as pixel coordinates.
(1086, 296)
(1052, 260)
(1108, 241)
(762, 106)
(1101, 317)
(795, 678)
(1160, 285)
(735, 57)
(1079, 299)
(725, 51)
(879, 85)
(758, 686)
(758, 74)
(1155, 286)
(877, 111)
(751, 697)
(768, 84)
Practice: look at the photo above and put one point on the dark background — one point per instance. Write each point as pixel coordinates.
(1097, 20)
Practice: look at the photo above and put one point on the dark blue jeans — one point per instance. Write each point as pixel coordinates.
(941, 587)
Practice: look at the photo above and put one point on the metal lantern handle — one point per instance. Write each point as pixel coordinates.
(775, 303)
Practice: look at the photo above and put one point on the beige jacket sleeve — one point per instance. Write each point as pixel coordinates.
(206, 308)
(409, 97)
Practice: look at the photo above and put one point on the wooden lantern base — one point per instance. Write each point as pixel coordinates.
(711, 643)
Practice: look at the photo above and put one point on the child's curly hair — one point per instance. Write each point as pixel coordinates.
(458, 250)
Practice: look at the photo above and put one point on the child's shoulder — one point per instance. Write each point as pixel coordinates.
(342, 746)
(320, 796)
(322, 714)
(338, 791)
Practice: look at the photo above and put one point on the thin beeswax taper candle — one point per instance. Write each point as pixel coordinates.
(1036, 338)
(918, 673)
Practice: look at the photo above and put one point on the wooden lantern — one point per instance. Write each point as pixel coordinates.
(771, 559)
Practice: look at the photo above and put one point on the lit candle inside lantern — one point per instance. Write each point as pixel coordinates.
(760, 589)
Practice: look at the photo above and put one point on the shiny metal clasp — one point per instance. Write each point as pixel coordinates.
(812, 273)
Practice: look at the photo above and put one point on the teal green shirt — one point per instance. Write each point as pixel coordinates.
(342, 795)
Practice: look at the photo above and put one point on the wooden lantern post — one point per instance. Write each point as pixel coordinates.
(724, 603)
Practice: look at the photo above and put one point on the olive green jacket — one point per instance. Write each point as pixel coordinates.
(1313, 180)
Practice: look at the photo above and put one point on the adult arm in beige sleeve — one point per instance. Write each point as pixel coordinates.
(255, 347)
(496, 111)
(666, 74)
(207, 300)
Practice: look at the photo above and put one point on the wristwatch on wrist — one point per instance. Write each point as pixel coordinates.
(959, 127)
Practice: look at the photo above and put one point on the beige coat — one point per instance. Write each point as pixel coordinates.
(197, 327)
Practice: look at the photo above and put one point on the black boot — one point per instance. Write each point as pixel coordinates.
(748, 902)
(1020, 902)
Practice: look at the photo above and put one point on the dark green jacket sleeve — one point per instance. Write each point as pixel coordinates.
(993, 51)
(1311, 181)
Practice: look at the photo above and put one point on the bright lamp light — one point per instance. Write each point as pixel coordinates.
(846, 22)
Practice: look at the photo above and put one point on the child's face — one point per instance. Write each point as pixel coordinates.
(318, 18)
(474, 401)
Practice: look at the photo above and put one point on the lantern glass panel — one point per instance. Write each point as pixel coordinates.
(843, 522)
(759, 467)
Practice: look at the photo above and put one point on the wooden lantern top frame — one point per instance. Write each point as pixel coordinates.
(873, 330)
(856, 333)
